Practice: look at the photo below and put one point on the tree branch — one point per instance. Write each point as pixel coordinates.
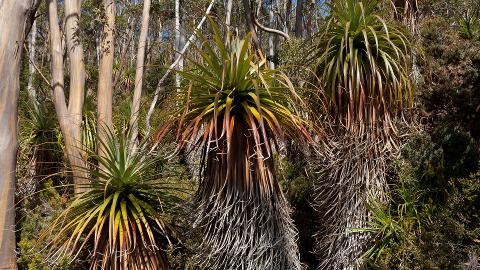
(47, 81)
(270, 30)
(31, 16)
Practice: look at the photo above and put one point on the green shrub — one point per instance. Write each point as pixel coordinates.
(432, 219)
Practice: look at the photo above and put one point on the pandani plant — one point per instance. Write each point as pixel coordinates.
(362, 66)
(237, 111)
(41, 152)
(121, 221)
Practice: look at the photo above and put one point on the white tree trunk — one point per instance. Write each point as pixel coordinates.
(135, 113)
(12, 23)
(179, 42)
(105, 77)
(77, 87)
(228, 15)
(69, 117)
(271, 37)
(32, 93)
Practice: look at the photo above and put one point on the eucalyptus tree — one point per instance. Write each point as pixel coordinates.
(137, 94)
(362, 66)
(236, 111)
(13, 18)
(69, 114)
(105, 75)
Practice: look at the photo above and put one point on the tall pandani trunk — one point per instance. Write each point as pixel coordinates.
(352, 171)
(241, 210)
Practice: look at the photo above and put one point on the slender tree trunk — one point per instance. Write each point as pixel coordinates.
(31, 15)
(57, 67)
(178, 42)
(228, 15)
(148, 50)
(69, 117)
(299, 19)
(98, 50)
(12, 24)
(250, 26)
(311, 12)
(259, 8)
(288, 9)
(271, 37)
(256, 16)
(31, 68)
(105, 77)
(77, 87)
(160, 31)
(131, 50)
(279, 22)
(139, 71)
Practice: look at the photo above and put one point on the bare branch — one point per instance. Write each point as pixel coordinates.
(47, 81)
(270, 30)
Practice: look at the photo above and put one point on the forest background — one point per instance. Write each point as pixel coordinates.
(430, 218)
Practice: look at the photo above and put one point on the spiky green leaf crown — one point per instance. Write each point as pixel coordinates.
(121, 213)
(362, 64)
(229, 85)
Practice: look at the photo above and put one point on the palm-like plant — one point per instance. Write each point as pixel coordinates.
(38, 141)
(362, 68)
(236, 109)
(121, 216)
(362, 64)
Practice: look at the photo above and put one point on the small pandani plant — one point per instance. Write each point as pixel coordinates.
(121, 218)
